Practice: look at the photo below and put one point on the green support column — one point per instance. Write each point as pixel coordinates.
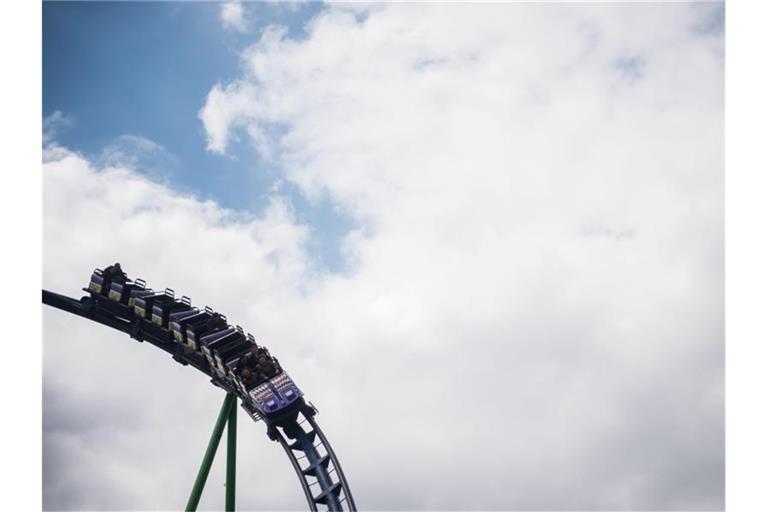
(210, 452)
(231, 458)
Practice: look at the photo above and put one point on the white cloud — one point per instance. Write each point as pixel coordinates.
(137, 152)
(53, 123)
(224, 106)
(485, 151)
(232, 16)
(533, 316)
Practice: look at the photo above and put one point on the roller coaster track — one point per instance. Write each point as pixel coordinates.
(309, 451)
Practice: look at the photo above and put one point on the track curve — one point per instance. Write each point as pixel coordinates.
(311, 455)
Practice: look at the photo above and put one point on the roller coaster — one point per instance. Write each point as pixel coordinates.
(234, 362)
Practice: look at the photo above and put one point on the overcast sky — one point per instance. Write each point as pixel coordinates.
(486, 241)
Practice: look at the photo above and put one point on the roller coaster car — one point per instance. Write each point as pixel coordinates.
(177, 322)
(227, 355)
(101, 280)
(139, 290)
(211, 338)
(218, 347)
(121, 292)
(96, 285)
(197, 330)
(161, 311)
(142, 305)
(275, 395)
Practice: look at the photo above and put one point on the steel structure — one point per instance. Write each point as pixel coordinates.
(297, 431)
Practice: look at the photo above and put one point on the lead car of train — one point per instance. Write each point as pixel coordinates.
(230, 353)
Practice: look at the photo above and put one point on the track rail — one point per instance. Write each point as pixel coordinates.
(317, 467)
(307, 448)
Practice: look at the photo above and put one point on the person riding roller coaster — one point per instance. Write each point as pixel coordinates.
(114, 274)
(256, 366)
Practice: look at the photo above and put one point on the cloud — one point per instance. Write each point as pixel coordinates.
(542, 183)
(53, 124)
(223, 108)
(232, 16)
(532, 315)
(137, 152)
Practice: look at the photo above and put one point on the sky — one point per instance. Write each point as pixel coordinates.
(485, 239)
(149, 65)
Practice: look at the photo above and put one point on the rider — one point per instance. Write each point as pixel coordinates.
(246, 376)
(114, 274)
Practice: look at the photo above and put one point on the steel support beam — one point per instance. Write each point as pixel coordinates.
(210, 453)
(231, 458)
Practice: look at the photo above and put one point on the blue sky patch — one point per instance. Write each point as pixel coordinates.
(123, 82)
